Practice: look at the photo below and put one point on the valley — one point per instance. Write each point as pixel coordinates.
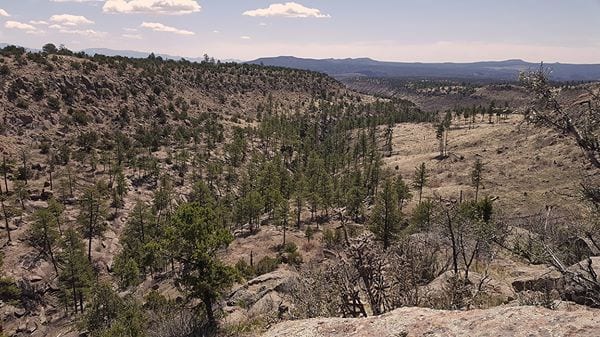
(152, 197)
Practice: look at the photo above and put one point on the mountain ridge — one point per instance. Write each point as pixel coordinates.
(506, 70)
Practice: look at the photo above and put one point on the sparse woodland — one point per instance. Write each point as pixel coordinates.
(126, 185)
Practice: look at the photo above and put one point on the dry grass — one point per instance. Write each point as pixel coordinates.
(526, 167)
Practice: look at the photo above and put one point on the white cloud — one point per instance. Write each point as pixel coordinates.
(70, 20)
(132, 36)
(159, 27)
(3, 13)
(19, 25)
(41, 22)
(86, 32)
(130, 29)
(56, 27)
(288, 10)
(245, 37)
(216, 31)
(173, 7)
(263, 24)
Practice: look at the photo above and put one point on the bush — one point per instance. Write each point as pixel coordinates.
(53, 103)
(80, 117)
(332, 238)
(22, 103)
(4, 70)
(244, 269)
(290, 254)
(266, 265)
(9, 291)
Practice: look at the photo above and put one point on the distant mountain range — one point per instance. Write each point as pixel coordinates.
(483, 71)
(365, 67)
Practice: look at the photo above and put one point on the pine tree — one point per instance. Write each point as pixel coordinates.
(420, 179)
(56, 208)
(75, 274)
(92, 215)
(402, 192)
(199, 237)
(299, 196)
(476, 176)
(20, 189)
(384, 221)
(43, 234)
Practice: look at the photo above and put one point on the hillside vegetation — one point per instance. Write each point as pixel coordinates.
(145, 197)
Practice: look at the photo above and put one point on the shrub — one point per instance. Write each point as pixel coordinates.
(266, 265)
(53, 103)
(244, 269)
(22, 103)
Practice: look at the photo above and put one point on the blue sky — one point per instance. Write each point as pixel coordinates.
(402, 30)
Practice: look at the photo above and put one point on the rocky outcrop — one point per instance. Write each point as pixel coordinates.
(261, 296)
(406, 322)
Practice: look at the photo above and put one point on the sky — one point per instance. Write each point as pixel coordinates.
(564, 31)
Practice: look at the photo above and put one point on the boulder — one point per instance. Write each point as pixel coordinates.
(265, 294)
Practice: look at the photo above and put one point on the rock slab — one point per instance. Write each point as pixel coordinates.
(407, 322)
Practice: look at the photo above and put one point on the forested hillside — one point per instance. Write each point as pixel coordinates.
(150, 197)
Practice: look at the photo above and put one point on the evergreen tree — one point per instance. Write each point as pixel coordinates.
(420, 179)
(56, 208)
(384, 221)
(75, 275)
(43, 234)
(476, 176)
(92, 215)
(6, 214)
(402, 192)
(199, 238)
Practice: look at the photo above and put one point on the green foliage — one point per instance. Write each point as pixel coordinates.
(266, 265)
(309, 232)
(385, 219)
(199, 236)
(109, 315)
(244, 269)
(53, 103)
(75, 275)
(332, 238)
(420, 179)
(476, 176)
(402, 191)
(43, 234)
(9, 291)
(421, 218)
(289, 254)
(127, 271)
(92, 214)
